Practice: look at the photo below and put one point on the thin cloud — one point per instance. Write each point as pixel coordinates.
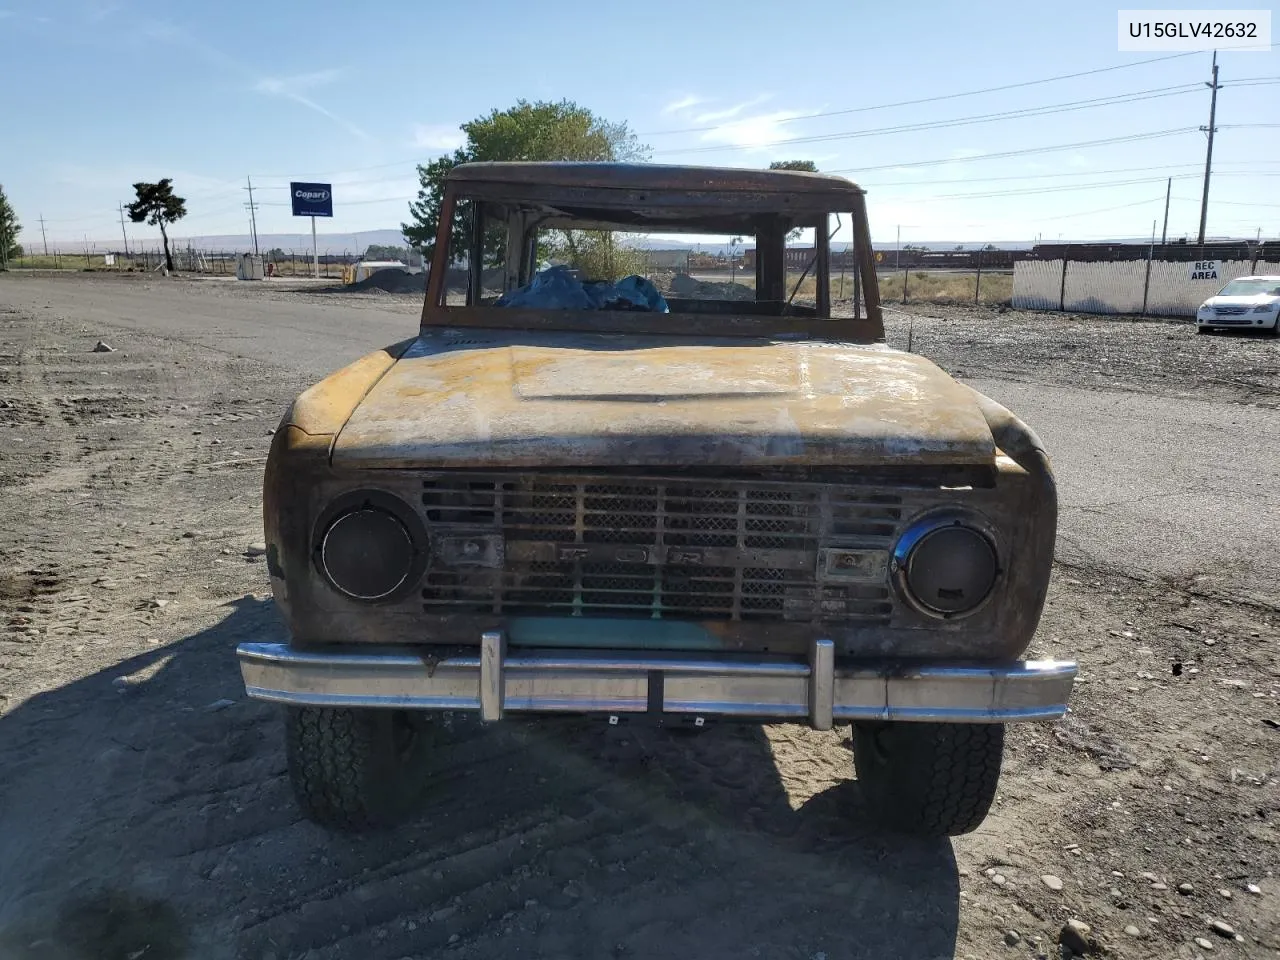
(6, 13)
(292, 87)
(288, 88)
(728, 112)
(437, 136)
(684, 103)
(757, 132)
(298, 82)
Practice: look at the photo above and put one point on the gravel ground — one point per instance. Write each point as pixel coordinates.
(144, 806)
(1160, 357)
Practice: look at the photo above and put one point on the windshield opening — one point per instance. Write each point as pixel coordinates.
(525, 254)
(1251, 287)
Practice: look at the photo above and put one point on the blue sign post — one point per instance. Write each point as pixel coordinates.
(312, 200)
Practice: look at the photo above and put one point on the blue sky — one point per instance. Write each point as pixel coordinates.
(100, 93)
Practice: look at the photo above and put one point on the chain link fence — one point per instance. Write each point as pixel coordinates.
(186, 259)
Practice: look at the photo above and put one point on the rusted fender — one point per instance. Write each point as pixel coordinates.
(324, 408)
(298, 463)
(1017, 440)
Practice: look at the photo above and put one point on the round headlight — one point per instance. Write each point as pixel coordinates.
(367, 553)
(945, 567)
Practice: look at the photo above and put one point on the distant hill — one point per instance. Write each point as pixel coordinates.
(356, 243)
(334, 243)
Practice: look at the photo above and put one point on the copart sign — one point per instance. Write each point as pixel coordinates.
(311, 199)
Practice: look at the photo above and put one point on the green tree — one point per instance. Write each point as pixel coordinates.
(9, 230)
(377, 251)
(804, 166)
(157, 205)
(527, 131)
(599, 254)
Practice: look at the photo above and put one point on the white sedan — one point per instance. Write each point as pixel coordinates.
(1248, 302)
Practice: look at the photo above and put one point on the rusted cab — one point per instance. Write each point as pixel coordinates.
(696, 493)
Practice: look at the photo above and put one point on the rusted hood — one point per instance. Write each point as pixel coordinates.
(458, 399)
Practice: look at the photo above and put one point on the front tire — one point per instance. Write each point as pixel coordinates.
(354, 769)
(930, 779)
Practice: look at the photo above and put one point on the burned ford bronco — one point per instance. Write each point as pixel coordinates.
(732, 503)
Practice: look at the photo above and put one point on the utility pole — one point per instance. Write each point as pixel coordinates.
(1164, 234)
(253, 219)
(43, 238)
(1208, 156)
(122, 233)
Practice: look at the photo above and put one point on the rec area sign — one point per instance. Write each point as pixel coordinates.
(311, 199)
(1203, 270)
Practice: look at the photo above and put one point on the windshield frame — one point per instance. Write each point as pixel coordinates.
(1270, 287)
(714, 209)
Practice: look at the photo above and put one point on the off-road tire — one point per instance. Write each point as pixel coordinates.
(931, 779)
(357, 769)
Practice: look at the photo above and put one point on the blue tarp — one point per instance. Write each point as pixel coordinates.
(556, 288)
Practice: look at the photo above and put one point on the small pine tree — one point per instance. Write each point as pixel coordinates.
(157, 205)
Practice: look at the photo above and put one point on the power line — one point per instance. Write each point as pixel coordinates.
(1040, 191)
(1234, 203)
(1073, 173)
(1026, 151)
(941, 97)
(1044, 110)
(1088, 213)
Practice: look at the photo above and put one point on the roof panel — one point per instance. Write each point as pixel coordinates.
(653, 176)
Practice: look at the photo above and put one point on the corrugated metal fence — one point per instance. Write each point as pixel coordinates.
(1122, 287)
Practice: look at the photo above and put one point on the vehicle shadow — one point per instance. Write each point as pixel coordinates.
(146, 815)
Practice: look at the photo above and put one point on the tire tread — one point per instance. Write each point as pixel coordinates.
(939, 779)
(344, 769)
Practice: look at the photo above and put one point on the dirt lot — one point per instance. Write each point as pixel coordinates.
(144, 812)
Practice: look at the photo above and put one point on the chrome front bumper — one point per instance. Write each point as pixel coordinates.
(819, 692)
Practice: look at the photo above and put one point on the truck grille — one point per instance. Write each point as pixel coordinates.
(656, 548)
